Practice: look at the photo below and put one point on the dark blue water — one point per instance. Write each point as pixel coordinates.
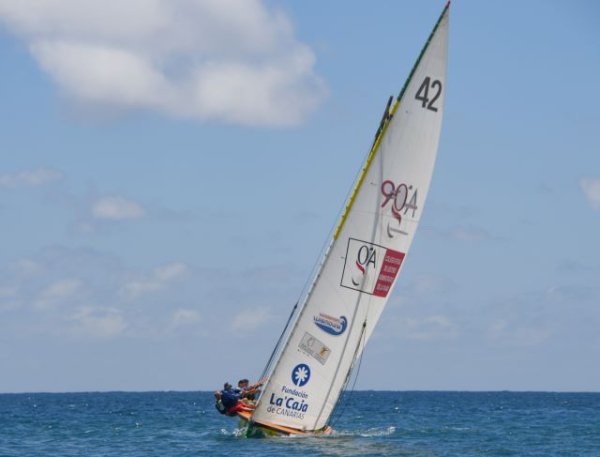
(372, 424)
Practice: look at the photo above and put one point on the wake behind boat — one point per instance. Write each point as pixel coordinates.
(329, 327)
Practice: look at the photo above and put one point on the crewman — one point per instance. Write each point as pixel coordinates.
(229, 400)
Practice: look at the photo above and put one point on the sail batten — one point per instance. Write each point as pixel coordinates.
(363, 260)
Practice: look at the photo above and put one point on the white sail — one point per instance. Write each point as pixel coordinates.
(367, 251)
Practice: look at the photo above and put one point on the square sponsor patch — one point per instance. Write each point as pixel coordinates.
(370, 268)
(315, 348)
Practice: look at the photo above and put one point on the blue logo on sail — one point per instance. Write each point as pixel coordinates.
(301, 374)
(330, 324)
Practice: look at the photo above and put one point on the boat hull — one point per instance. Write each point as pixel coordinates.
(262, 430)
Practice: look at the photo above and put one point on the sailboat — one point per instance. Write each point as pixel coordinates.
(332, 322)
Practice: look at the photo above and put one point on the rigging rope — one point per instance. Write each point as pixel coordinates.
(277, 346)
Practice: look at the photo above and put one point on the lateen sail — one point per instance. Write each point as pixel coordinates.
(368, 249)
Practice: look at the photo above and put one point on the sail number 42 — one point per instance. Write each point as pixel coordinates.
(423, 93)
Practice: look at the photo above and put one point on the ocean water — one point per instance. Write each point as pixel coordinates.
(369, 424)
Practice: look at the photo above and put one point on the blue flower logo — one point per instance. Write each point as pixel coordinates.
(301, 374)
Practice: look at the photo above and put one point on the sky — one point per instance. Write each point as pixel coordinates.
(171, 170)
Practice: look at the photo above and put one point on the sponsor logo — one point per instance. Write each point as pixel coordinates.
(370, 268)
(301, 374)
(401, 199)
(291, 402)
(330, 324)
(315, 348)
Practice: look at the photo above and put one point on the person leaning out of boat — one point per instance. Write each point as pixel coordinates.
(219, 402)
(228, 401)
(248, 391)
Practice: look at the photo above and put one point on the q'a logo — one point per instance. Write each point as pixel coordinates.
(366, 257)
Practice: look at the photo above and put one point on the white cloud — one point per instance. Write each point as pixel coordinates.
(27, 267)
(117, 208)
(159, 279)
(108, 76)
(170, 271)
(235, 61)
(429, 328)
(506, 332)
(57, 292)
(591, 189)
(570, 294)
(29, 178)
(98, 323)
(248, 321)
(183, 318)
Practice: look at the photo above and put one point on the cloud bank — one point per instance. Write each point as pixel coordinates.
(116, 208)
(231, 61)
(160, 278)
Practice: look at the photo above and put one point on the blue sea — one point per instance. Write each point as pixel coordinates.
(368, 424)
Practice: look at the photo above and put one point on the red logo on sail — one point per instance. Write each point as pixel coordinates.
(401, 202)
(370, 268)
(389, 270)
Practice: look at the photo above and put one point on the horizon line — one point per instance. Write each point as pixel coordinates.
(347, 392)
